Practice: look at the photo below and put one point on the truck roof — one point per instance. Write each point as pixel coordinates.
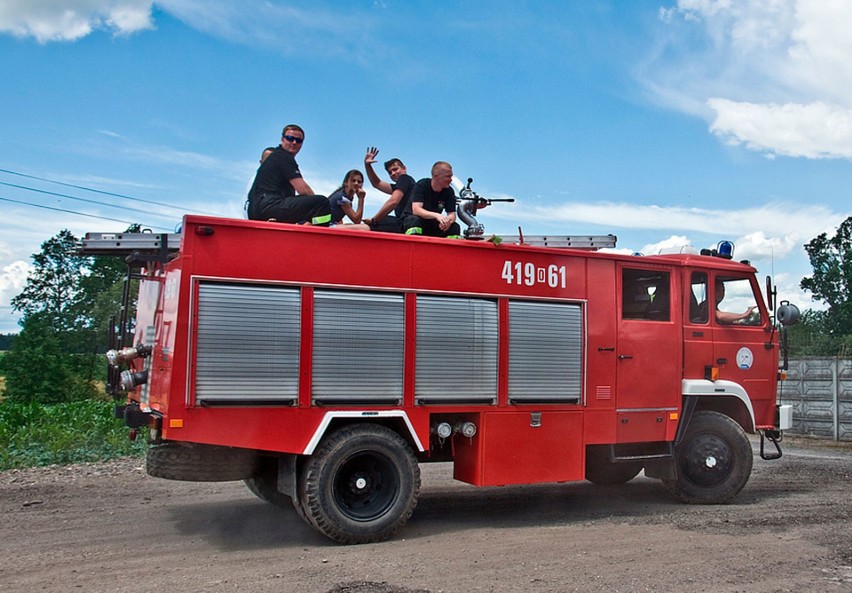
(161, 245)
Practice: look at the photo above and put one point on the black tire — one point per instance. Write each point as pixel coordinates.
(200, 463)
(600, 470)
(360, 485)
(264, 483)
(713, 462)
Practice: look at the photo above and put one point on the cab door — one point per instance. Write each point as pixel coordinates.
(649, 354)
(741, 341)
(697, 332)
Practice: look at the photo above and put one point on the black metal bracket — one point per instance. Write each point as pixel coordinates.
(775, 437)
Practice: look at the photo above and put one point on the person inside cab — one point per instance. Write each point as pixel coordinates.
(699, 312)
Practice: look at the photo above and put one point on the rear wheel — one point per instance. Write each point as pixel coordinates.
(264, 483)
(713, 462)
(601, 470)
(360, 485)
(200, 463)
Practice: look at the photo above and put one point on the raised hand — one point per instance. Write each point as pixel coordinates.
(370, 157)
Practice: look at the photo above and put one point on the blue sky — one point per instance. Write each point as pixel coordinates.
(663, 122)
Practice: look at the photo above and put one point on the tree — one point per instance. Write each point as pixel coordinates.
(810, 337)
(53, 286)
(65, 304)
(831, 282)
(6, 341)
(39, 369)
(100, 296)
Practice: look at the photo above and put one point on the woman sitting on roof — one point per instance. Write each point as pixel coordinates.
(348, 202)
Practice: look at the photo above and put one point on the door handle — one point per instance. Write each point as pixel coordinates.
(624, 357)
(606, 349)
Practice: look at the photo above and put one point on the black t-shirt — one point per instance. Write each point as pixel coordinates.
(437, 202)
(274, 174)
(404, 183)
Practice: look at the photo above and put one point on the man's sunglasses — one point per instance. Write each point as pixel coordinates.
(295, 139)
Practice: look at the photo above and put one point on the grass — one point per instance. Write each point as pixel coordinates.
(35, 434)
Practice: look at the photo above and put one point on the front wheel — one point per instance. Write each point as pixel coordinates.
(713, 462)
(360, 485)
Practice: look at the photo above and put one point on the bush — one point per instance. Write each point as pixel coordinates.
(33, 434)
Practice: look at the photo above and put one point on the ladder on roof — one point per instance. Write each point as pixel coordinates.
(158, 246)
(589, 242)
(134, 246)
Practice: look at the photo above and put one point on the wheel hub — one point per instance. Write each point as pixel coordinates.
(364, 488)
(708, 461)
(359, 483)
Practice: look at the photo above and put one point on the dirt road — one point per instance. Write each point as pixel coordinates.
(110, 527)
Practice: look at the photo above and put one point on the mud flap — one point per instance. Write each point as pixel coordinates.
(287, 479)
(661, 469)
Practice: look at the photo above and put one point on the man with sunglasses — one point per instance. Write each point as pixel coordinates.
(280, 193)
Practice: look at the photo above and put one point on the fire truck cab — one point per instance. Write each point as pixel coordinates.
(322, 367)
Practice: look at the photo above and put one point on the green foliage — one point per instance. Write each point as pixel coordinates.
(6, 341)
(812, 336)
(32, 434)
(831, 282)
(67, 304)
(53, 286)
(40, 369)
(53, 412)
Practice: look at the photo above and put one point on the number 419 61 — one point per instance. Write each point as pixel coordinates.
(528, 274)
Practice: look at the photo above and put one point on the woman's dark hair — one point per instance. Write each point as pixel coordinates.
(348, 176)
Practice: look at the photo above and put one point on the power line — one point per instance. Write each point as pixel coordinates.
(51, 193)
(98, 191)
(127, 222)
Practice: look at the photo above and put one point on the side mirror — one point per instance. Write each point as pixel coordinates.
(770, 294)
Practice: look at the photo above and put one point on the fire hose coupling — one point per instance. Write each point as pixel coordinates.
(130, 380)
(116, 357)
(445, 429)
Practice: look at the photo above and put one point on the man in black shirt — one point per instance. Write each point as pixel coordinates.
(432, 208)
(280, 193)
(399, 190)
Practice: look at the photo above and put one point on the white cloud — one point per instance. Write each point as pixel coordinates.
(753, 246)
(13, 278)
(765, 233)
(674, 244)
(815, 130)
(757, 245)
(774, 76)
(68, 20)
(321, 31)
(776, 219)
(789, 289)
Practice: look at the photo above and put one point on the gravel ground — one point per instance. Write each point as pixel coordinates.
(110, 527)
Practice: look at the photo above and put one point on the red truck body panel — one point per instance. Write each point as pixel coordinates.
(627, 374)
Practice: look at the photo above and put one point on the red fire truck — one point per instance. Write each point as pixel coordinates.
(323, 366)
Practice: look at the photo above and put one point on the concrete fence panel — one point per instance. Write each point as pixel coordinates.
(820, 391)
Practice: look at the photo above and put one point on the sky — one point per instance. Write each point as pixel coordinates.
(667, 122)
